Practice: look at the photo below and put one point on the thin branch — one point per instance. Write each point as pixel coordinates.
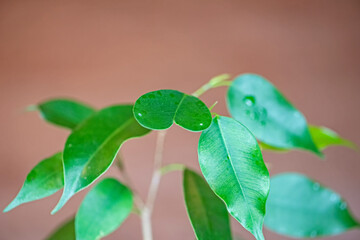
(139, 204)
(154, 186)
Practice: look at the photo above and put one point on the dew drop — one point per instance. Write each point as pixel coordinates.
(343, 206)
(316, 186)
(201, 124)
(334, 197)
(249, 100)
(254, 115)
(313, 233)
(139, 114)
(199, 104)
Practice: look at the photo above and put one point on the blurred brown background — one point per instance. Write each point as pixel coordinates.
(106, 52)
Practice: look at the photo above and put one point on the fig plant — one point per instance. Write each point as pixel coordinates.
(235, 180)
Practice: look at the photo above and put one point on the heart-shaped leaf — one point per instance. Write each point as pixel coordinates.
(159, 109)
(232, 164)
(92, 147)
(64, 232)
(45, 179)
(207, 213)
(257, 104)
(300, 207)
(103, 210)
(64, 112)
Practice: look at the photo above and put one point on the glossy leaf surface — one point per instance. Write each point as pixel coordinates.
(92, 147)
(44, 179)
(232, 164)
(207, 213)
(64, 232)
(159, 109)
(257, 104)
(299, 207)
(64, 112)
(103, 210)
(325, 137)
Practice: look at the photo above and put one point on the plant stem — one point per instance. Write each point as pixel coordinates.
(139, 204)
(217, 81)
(154, 186)
(148, 206)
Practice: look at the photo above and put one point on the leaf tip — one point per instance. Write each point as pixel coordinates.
(31, 108)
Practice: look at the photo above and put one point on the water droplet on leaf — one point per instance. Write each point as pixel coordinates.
(313, 233)
(316, 186)
(249, 100)
(343, 206)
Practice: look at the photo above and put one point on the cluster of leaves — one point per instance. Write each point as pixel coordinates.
(236, 179)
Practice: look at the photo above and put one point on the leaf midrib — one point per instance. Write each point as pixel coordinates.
(128, 122)
(230, 160)
(177, 109)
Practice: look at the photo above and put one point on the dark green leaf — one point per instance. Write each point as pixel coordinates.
(92, 147)
(299, 207)
(103, 210)
(159, 109)
(64, 232)
(257, 104)
(44, 179)
(207, 213)
(325, 137)
(232, 164)
(64, 112)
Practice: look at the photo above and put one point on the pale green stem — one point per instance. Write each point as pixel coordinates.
(148, 207)
(139, 204)
(172, 167)
(154, 187)
(217, 81)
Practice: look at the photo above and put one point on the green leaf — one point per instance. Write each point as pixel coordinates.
(64, 232)
(64, 112)
(207, 213)
(159, 109)
(325, 137)
(45, 179)
(103, 210)
(257, 104)
(299, 207)
(232, 164)
(91, 147)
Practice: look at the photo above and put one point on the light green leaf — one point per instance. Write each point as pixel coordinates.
(64, 112)
(258, 105)
(325, 137)
(159, 109)
(299, 207)
(208, 215)
(103, 210)
(92, 147)
(64, 232)
(45, 179)
(232, 164)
